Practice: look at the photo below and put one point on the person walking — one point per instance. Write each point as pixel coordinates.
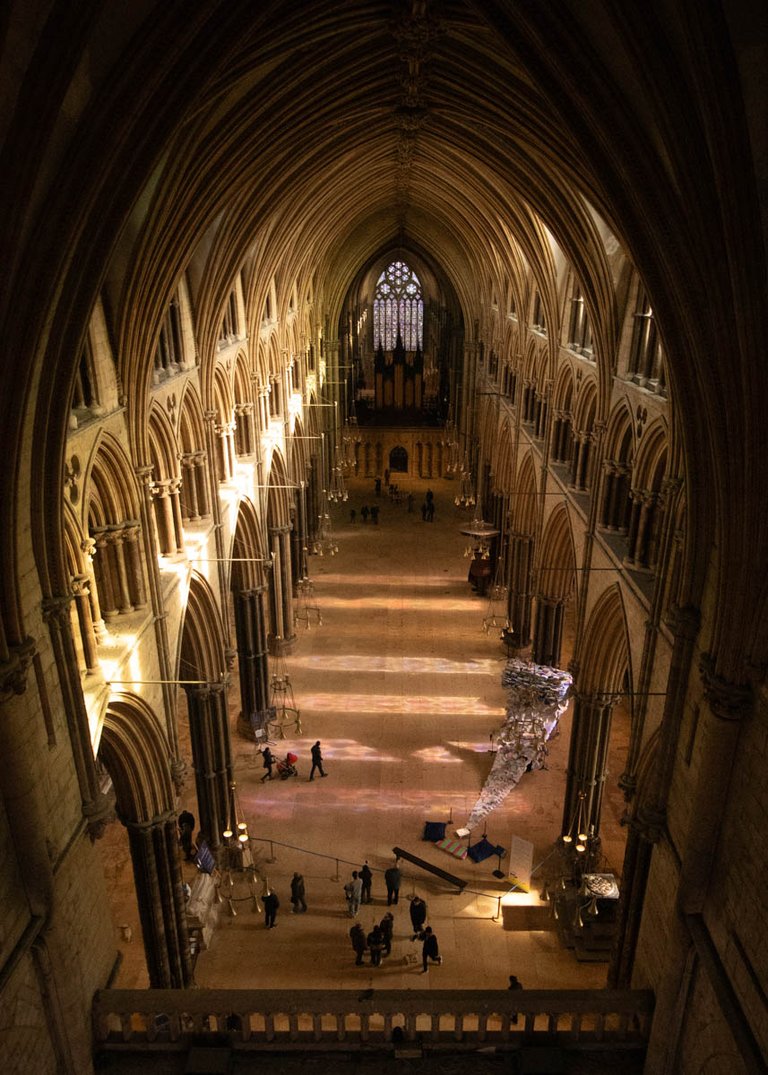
(267, 760)
(387, 927)
(410, 503)
(364, 513)
(298, 894)
(418, 912)
(271, 904)
(429, 948)
(359, 943)
(424, 508)
(375, 514)
(367, 878)
(376, 945)
(392, 878)
(317, 761)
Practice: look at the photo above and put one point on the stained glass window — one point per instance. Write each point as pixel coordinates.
(398, 304)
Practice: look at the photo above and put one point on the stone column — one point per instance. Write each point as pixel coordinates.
(250, 630)
(103, 573)
(80, 590)
(281, 581)
(115, 541)
(131, 531)
(160, 898)
(211, 756)
(164, 516)
(548, 631)
(174, 495)
(727, 704)
(587, 758)
(519, 594)
(190, 510)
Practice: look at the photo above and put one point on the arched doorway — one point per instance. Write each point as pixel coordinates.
(398, 460)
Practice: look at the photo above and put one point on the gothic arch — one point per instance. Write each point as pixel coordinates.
(556, 578)
(606, 665)
(201, 652)
(136, 754)
(195, 493)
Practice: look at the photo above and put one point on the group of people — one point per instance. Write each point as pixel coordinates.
(268, 760)
(365, 511)
(379, 941)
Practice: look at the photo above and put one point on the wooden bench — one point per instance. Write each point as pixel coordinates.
(424, 865)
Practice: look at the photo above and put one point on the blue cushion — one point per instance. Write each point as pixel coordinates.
(483, 849)
(434, 830)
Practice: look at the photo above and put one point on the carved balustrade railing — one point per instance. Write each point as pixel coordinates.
(142, 1020)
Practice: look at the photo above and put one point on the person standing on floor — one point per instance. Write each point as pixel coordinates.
(429, 948)
(267, 760)
(186, 832)
(367, 878)
(364, 513)
(376, 945)
(359, 943)
(387, 927)
(355, 893)
(298, 894)
(418, 912)
(317, 761)
(271, 904)
(514, 983)
(392, 878)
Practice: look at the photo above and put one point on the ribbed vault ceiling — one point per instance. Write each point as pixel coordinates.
(340, 130)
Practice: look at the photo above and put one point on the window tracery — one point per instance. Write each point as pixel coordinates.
(398, 306)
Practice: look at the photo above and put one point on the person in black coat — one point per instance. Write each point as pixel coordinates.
(186, 831)
(297, 894)
(365, 875)
(317, 761)
(429, 948)
(392, 878)
(359, 943)
(268, 760)
(418, 912)
(271, 904)
(376, 945)
(387, 926)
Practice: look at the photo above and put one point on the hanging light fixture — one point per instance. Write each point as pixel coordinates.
(324, 544)
(306, 604)
(465, 498)
(338, 489)
(283, 709)
(578, 826)
(236, 823)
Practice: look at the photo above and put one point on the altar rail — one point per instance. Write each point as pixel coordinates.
(169, 1019)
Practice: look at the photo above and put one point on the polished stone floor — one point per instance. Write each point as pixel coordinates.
(402, 686)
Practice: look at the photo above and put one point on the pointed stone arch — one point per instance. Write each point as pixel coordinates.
(113, 524)
(563, 395)
(604, 675)
(136, 754)
(279, 500)
(650, 496)
(248, 582)
(224, 424)
(195, 492)
(246, 432)
(521, 550)
(166, 481)
(203, 674)
(615, 504)
(556, 582)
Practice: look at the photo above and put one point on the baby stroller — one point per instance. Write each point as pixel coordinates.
(287, 767)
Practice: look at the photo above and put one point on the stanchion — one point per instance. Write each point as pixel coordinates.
(271, 852)
(337, 877)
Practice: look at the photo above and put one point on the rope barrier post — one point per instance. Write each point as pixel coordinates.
(271, 852)
(498, 909)
(337, 877)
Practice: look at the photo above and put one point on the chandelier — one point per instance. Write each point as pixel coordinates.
(306, 604)
(465, 498)
(578, 826)
(324, 544)
(450, 443)
(284, 712)
(338, 488)
(351, 438)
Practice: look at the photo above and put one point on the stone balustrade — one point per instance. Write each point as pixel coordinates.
(140, 1020)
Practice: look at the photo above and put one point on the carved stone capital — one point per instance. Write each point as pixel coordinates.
(13, 672)
(649, 822)
(56, 610)
(728, 701)
(98, 813)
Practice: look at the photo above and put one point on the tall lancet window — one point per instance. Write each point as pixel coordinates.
(398, 306)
